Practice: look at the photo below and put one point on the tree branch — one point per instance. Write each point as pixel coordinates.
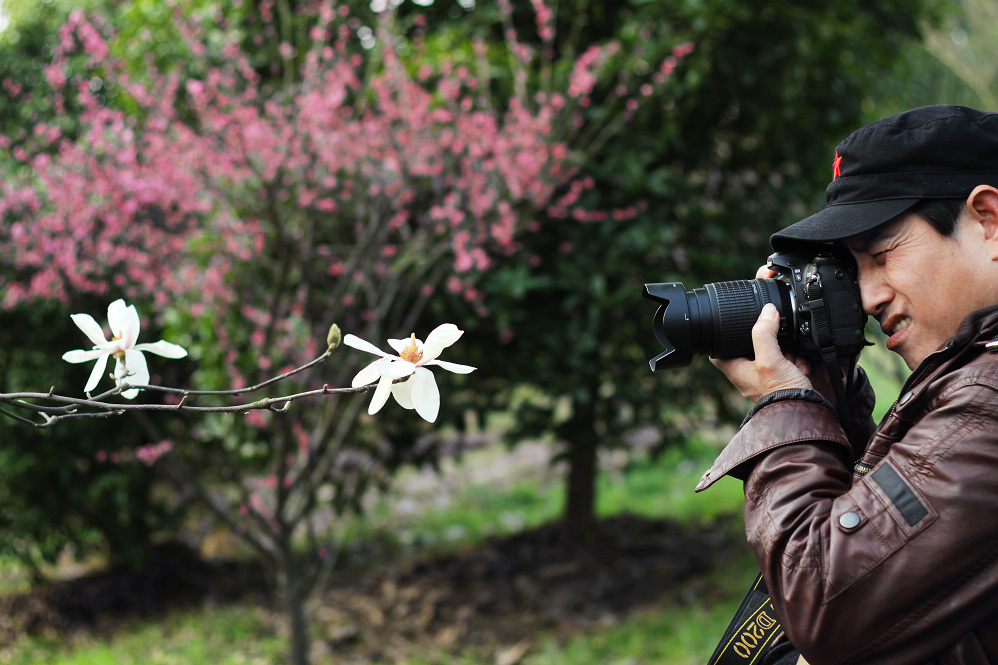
(52, 408)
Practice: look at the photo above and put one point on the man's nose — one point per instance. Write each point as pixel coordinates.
(874, 293)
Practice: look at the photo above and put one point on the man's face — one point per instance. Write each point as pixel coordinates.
(920, 284)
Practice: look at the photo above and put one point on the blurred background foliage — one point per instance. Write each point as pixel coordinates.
(736, 145)
(733, 147)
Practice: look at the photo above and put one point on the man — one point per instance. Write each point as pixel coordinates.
(888, 554)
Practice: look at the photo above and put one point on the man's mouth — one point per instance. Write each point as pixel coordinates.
(897, 326)
(894, 328)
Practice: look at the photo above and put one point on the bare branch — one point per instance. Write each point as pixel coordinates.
(52, 408)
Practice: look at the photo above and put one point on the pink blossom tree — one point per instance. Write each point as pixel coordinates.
(252, 217)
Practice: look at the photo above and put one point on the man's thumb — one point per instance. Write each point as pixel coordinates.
(765, 330)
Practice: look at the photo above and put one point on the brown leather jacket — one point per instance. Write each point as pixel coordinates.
(893, 558)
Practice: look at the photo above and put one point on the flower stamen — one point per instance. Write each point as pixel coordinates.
(119, 354)
(412, 352)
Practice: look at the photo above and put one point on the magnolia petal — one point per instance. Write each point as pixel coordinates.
(439, 339)
(369, 374)
(124, 321)
(395, 368)
(133, 371)
(162, 348)
(452, 367)
(82, 356)
(381, 394)
(117, 315)
(400, 344)
(97, 373)
(361, 345)
(137, 370)
(402, 392)
(425, 394)
(90, 328)
(130, 334)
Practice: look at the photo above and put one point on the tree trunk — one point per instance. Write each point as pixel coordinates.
(296, 597)
(580, 503)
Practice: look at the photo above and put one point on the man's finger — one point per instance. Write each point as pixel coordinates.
(775, 370)
(765, 272)
(764, 336)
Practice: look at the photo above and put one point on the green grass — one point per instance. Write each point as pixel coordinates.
(240, 634)
(665, 487)
(231, 635)
(676, 635)
(450, 517)
(652, 488)
(13, 575)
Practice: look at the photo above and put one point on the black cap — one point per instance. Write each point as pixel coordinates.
(883, 169)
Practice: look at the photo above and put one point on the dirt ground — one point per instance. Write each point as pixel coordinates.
(499, 596)
(496, 597)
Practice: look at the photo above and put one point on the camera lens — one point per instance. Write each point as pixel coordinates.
(735, 308)
(715, 320)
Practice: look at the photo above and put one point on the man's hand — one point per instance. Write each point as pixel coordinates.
(771, 370)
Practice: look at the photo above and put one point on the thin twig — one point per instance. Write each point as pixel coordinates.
(54, 408)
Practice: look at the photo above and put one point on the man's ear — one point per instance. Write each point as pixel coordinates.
(982, 204)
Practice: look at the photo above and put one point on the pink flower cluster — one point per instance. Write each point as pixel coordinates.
(147, 455)
(544, 17)
(122, 207)
(323, 190)
(150, 454)
(584, 73)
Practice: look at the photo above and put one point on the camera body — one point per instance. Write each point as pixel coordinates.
(815, 292)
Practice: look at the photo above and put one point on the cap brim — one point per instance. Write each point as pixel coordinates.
(841, 221)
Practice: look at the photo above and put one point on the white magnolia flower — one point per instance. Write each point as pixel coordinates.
(130, 363)
(420, 391)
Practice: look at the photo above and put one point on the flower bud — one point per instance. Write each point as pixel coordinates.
(334, 337)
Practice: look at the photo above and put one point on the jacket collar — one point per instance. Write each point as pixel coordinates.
(977, 329)
(980, 325)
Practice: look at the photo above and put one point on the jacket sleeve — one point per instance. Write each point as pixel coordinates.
(807, 417)
(889, 567)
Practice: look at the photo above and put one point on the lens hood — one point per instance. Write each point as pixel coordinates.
(673, 315)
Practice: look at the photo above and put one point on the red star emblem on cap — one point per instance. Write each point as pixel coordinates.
(836, 166)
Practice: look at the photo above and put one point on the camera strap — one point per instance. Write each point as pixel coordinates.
(825, 339)
(751, 631)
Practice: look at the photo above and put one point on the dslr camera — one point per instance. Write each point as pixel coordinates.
(816, 294)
